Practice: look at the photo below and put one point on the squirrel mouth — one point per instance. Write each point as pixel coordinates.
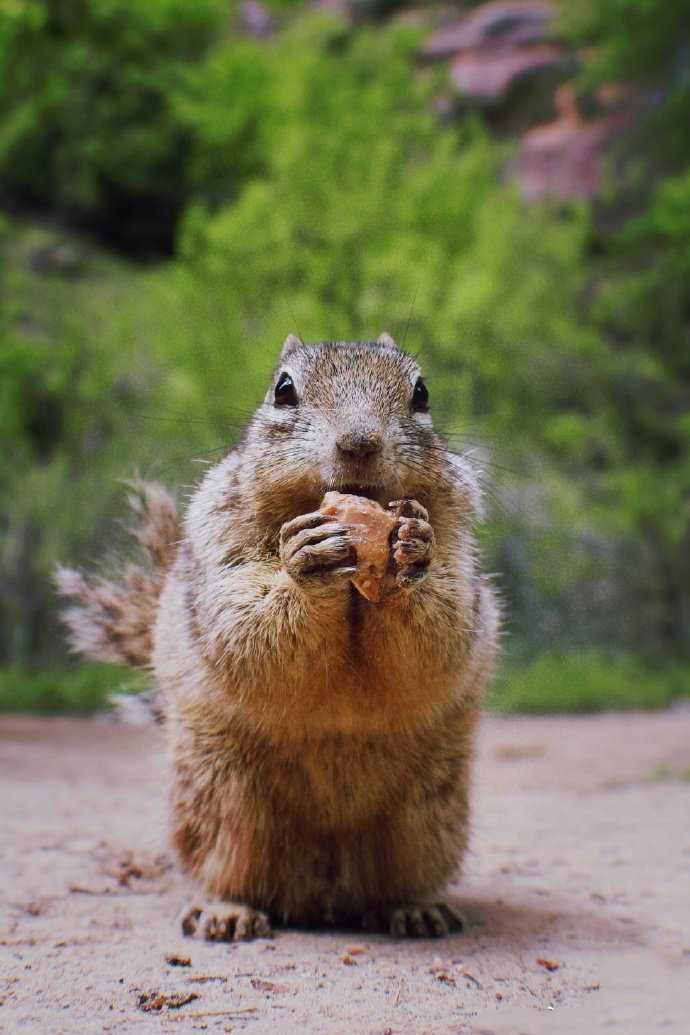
(371, 492)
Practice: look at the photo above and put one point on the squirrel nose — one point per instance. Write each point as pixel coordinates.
(360, 443)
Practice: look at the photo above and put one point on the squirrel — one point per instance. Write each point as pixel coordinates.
(319, 745)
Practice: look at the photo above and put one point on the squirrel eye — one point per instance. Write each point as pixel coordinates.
(420, 397)
(285, 394)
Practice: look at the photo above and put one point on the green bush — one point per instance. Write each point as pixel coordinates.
(78, 374)
(80, 690)
(589, 681)
(113, 112)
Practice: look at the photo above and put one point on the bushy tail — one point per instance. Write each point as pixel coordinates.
(112, 619)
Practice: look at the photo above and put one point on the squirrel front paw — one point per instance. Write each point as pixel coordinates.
(315, 548)
(413, 543)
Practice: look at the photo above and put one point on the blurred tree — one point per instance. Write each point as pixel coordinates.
(67, 395)
(112, 112)
(640, 304)
(644, 44)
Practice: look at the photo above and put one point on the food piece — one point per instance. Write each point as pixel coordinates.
(372, 544)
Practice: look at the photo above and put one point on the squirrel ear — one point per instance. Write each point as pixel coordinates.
(291, 343)
(386, 341)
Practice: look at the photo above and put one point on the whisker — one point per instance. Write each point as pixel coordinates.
(409, 318)
(203, 421)
(294, 318)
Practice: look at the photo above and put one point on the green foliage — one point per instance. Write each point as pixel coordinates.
(223, 107)
(74, 385)
(638, 474)
(641, 305)
(644, 45)
(112, 112)
(80, 691)
(588, 681)
(665, 772)
(635, 40)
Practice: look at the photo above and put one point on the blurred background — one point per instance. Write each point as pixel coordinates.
(503, 186)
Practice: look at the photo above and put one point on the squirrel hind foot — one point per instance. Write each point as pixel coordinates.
(224, 922)
(423, 920)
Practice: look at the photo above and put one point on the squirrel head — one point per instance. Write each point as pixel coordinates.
(345, 416)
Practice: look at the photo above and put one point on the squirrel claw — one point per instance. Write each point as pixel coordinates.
(343, 573)
(426, 920)
(409, 509)
(413, 546)
(225, 922)
(315, 548)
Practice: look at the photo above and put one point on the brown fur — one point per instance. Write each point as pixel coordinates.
(319, 744)
(114, 620)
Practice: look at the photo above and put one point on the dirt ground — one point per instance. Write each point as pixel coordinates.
(577, 892)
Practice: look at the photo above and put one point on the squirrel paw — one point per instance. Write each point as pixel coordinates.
(314, 547)
(426, 920)
(413, 542)
(225, 922)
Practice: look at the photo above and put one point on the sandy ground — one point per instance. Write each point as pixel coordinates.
(577, 892)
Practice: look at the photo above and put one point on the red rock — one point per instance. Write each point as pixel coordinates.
(489, 74)
(562, 159)
(523, 20)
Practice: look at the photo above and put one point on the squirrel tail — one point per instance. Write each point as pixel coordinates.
(112, 619)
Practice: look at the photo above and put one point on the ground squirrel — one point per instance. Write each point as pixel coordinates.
(319, 744)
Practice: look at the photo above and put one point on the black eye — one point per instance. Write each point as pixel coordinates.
(285, 394)
(420, 397)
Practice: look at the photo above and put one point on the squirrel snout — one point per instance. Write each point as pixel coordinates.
(360, 443)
